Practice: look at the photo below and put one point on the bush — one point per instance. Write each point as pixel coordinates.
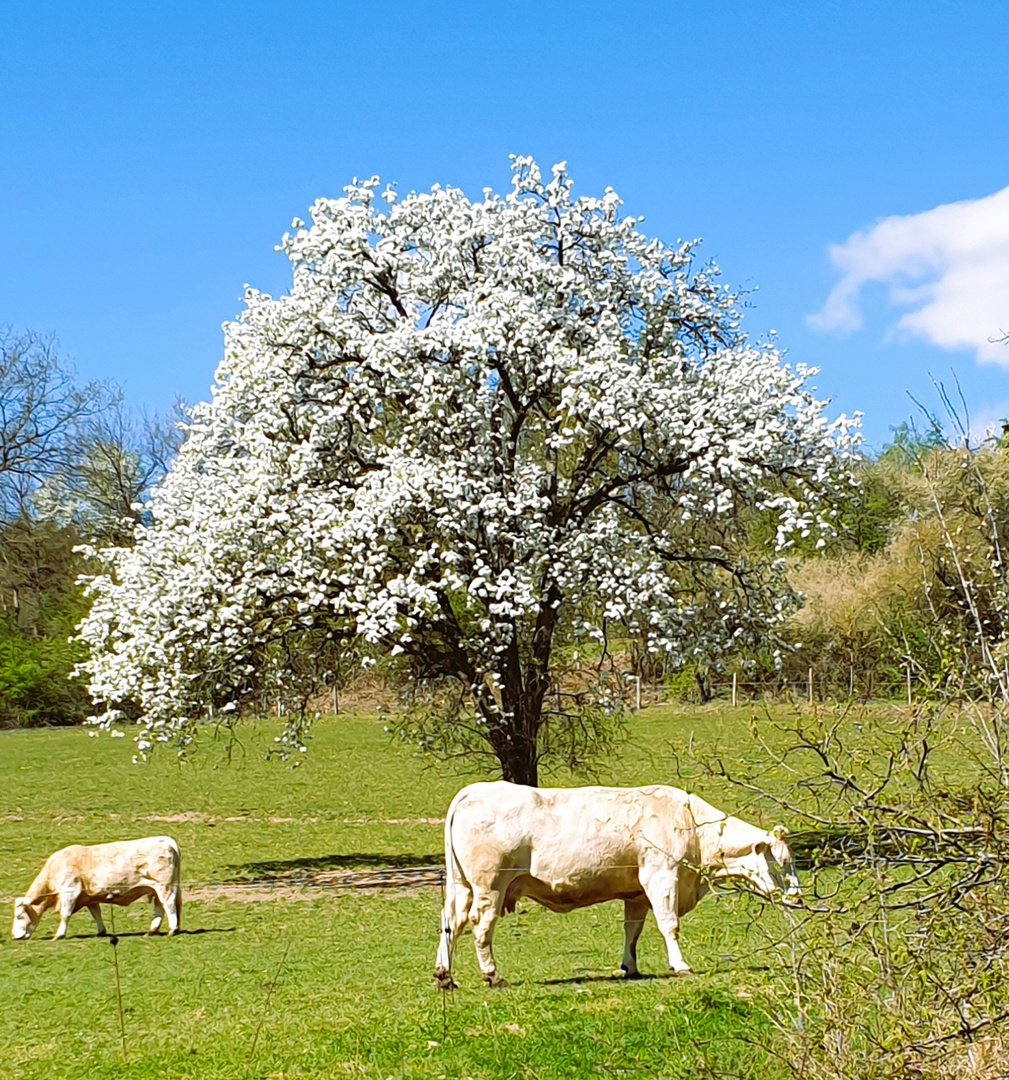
(35, 687)
(40, 603)
(897, 967)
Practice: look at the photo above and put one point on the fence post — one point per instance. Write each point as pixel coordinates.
(278, 708)
(336, 701)
(733, 689)
(909, 684)
(810, 686)
(637, 693)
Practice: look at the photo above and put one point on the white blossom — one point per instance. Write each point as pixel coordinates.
(465, 424)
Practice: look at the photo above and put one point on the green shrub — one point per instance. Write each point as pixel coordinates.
(40, 603)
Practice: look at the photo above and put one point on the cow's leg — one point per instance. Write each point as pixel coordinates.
(454, 916)
(486, 912)
(159, 914)
(67, 904)
(173, 906)
(660, 887)
(96, 914)
(166, 902)
(635, 912)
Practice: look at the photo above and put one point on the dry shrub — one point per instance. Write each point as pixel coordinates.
(899, 965)
(935, 596)
(984, 1059)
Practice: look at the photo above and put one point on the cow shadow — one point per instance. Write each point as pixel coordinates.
(144, 934)
(208, 930)
(651, 976)
(576, 980)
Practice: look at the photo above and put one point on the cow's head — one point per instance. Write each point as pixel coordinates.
(767, 868)
(26, 918)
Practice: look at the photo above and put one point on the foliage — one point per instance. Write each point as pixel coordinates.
(73, 462)
(934, 596)
(959, 527)
(39, 605)
(871, 509)
(469, 432)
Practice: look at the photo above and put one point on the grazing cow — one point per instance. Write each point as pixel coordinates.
(653, 847)
(118, 873)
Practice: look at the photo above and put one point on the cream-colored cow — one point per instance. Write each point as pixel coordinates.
(118, 873)
(653, 847)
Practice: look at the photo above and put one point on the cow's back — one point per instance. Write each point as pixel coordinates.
(98, 867)
(565, 847)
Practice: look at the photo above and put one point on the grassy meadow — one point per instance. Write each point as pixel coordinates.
(284, 970)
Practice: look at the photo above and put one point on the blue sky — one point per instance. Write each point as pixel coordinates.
(154, 154)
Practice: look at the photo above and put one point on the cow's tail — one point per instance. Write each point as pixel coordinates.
(456, 907)
(176, 882)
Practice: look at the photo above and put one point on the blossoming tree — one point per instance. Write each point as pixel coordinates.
(471, 431)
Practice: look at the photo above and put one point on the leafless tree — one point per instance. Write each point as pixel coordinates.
(42, 415)
(74, 454)
(119, 456)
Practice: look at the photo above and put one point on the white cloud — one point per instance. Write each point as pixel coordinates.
(948, 268)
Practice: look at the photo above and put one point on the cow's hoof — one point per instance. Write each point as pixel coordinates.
(679, 973)
(494, 981)
(630, 974)
(444, 981)
(101, 933)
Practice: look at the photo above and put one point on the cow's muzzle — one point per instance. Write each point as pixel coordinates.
(792, 898)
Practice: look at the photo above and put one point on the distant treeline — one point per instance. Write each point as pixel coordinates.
(74, 461)
(914, 579)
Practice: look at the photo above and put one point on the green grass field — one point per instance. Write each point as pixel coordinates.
(295, 979)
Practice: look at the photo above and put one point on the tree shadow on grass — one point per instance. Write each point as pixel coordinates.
(286, 869)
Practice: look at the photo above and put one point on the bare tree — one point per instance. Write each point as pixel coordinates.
(43, 413)
(120, 455)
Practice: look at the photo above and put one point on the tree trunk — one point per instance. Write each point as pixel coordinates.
(516, 741)
(702, 687)
(515, 736)
(519, 765)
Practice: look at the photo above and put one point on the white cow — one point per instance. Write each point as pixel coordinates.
(653, 847)
(118, 873)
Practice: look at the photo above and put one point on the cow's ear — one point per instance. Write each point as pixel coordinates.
(761, 847)
(779, 832)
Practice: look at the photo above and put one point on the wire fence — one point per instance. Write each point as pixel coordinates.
(640, 692)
